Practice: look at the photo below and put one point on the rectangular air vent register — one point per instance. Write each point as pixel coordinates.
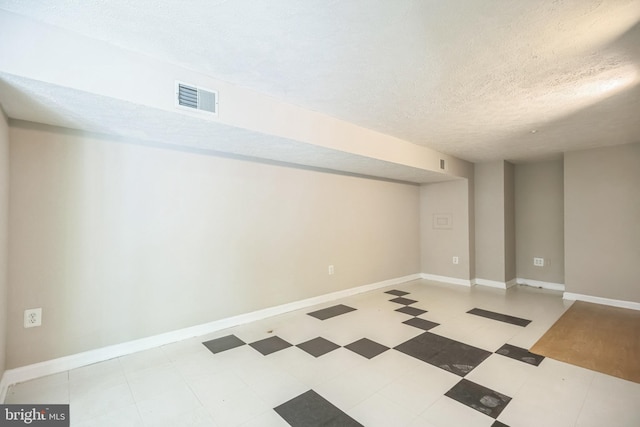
(196, 99)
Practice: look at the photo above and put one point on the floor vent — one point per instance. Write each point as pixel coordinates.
(196, 98)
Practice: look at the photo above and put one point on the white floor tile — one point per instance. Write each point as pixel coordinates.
(379, 411)
(419, 388)
(394, 333)
(144, 360)
(502, 374)
(237, 408)
(345, 392)
(215, 388)
(552, 397)
(154, 381)
(124, 417)
(185, 348)
(170, 405)
(96, 371)
(447, 412)
(611, 401)
(52, 389)
(198, 417)
(276, 388)
(313, 371)
(237, 357)
(491, 337)
(262, 365)
(97, 398)
(197, 365)
(268, 419)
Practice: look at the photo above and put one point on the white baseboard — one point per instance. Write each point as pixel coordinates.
(54, 366)
(447, 279)
(494, 283)
(599, 300)
(540, 284)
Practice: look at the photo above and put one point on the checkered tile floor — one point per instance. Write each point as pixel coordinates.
(417, 354)
(309, 408)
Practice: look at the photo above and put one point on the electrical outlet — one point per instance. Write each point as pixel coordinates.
(538, 262)
(32, 317)
(331, 270)
(456, 260)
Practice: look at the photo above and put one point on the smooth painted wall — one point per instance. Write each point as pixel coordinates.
(539, 217)
(602, 222)
(489, 220)
(494, 216)
(117, 241)
(439, 245)
(472, 227)
(4, 236)
(509, 222)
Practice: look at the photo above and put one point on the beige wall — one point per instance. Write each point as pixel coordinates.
(494, 221)
(440, 245)
(509, 222)
(472, 227)
(4, 238)
(119, 241)
(602, 222)
(539, 217)
(489, 220)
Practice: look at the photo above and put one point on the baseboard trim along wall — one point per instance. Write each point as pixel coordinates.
(599, 300)
(469, 282)
(54, 366)
(447, 279)
(539, 284)
(494, 283)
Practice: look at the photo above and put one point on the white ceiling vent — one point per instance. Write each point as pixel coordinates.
(195, 98)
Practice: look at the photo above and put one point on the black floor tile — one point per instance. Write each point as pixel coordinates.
(367, 348)
(459, 358)
(342, 420)
(402, 300)
(480, 398)
(270, 345)
(411, 311)
(497, 423)
(445, 353)
(420, 323)
(318, 346)
(424, 346)
(520, 354)
(225, 343)
(397, 293)
(310, 410)
(329, 312)
(499, 316)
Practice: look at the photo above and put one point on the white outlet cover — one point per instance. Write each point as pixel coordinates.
(456, 260)
(538, 262)
(32, 317)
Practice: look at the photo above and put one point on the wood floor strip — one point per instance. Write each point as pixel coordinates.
(597, 337)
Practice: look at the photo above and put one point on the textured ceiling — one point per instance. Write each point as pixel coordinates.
(480, 80)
